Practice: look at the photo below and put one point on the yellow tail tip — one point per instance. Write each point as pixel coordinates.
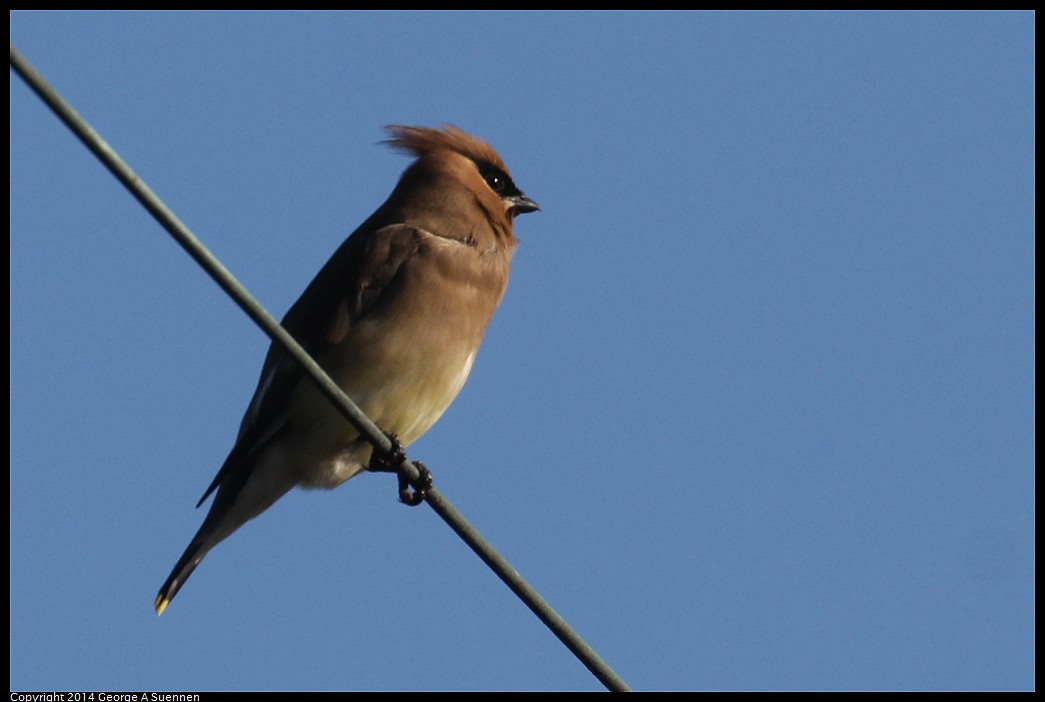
(161, 604)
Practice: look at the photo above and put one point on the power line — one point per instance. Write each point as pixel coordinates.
(224, 278)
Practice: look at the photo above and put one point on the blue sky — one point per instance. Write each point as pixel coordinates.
(757, 411)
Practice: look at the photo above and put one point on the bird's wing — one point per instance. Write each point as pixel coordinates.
(345, 289)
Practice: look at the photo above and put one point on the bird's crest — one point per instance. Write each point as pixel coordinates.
(420, 141)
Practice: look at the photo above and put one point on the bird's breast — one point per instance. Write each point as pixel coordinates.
(406, 360)
(413, 355)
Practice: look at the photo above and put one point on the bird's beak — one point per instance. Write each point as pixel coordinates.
(522, 204)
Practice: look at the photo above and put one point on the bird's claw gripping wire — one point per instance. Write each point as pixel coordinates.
(387, 461)
(421, 486)
(411, 494)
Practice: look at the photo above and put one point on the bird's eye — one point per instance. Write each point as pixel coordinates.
(497, 181)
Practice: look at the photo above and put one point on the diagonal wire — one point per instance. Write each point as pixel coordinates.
(224, 278)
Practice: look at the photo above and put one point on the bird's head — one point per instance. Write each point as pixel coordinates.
(457, 181)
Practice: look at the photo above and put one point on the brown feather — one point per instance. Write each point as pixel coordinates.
(395, 317)
(421, 141)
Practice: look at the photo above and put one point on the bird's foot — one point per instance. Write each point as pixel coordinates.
(421, 486)
(391, 461)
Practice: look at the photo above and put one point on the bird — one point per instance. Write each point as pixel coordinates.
(395, 317)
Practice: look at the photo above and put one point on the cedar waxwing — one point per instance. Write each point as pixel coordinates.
(395, 317)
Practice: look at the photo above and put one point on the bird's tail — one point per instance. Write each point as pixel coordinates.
(181, 572)
(237, 501)
(221, 521)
